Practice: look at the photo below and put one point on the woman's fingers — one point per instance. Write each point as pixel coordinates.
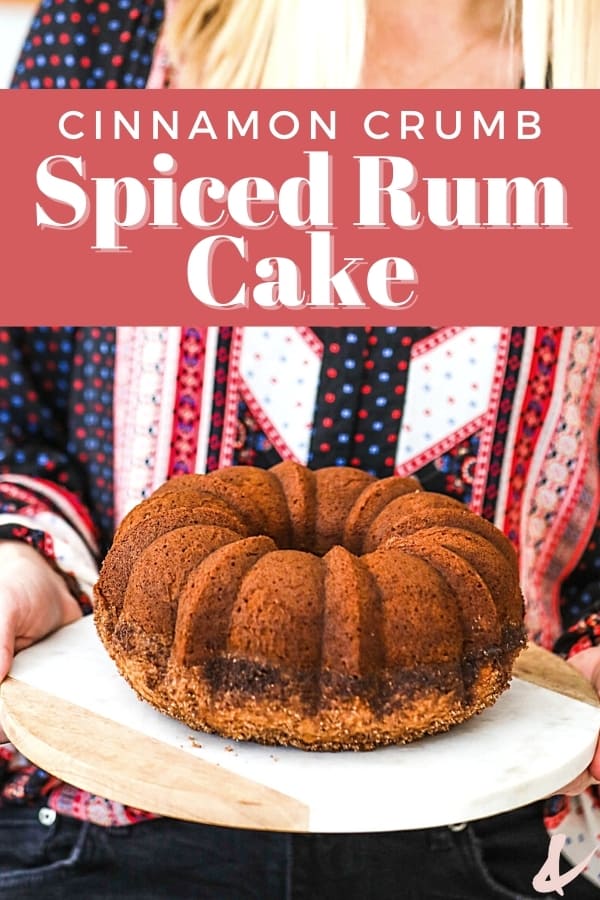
(588, 664)
(579, 784)
(7, 647)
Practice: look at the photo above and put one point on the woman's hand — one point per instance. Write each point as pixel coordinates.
(34, 601)
(588, 663)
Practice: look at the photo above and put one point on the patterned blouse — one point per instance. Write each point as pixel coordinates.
(93, 419)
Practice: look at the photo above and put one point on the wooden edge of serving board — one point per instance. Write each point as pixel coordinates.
(545, 669)
(116, 762)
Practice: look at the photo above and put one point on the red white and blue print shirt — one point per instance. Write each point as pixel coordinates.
(92, 420)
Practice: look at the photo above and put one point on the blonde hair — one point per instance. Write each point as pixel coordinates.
(564, 34)
(320, 43)
(256, 43)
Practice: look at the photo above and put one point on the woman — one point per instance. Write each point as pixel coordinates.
(65, 434)
(307, 43)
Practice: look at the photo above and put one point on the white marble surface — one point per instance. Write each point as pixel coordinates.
(528, 745)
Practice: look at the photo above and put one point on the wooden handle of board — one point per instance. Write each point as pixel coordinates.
(547, 670)
(119, 763)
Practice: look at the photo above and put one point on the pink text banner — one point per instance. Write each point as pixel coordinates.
(306, 207)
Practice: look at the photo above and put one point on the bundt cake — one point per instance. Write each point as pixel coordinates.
(323, 609)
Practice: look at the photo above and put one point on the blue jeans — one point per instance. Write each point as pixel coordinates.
(494, 859)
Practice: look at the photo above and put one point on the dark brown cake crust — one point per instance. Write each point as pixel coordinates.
(326, 610)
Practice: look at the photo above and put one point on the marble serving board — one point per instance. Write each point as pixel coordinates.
(68, 709)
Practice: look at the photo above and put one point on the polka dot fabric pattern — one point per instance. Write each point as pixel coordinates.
(56, 391)
(90, 44)
(360, 399)
(91, 423)
(56, 412)
(452, 473)
(252, 447)
(56, 421)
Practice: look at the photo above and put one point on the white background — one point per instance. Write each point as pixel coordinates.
(14, 21)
